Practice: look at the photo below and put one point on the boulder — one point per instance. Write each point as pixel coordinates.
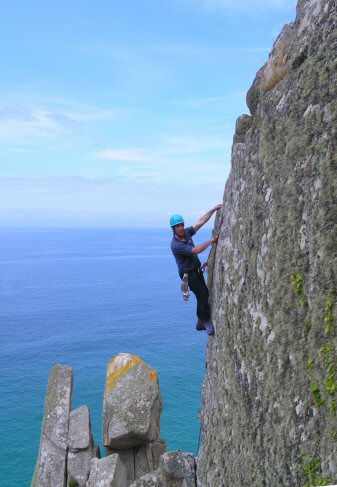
(79, 435)
(177, 469)
(132, 403)
(50, 470)
(176, 466)
(107, 472)
(81, 446)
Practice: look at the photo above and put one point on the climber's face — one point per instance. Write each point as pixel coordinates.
(179, 230)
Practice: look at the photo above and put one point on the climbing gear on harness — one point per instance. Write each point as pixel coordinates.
(205, 264)
(176, 220)
(184, 287)
(210, 329)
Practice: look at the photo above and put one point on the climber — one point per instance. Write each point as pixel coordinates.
(189, 266)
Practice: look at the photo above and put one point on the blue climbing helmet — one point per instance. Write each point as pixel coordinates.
(176, 220)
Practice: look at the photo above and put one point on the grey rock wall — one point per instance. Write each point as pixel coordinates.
(269, 395)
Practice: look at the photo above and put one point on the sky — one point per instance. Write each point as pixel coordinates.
(120, 113)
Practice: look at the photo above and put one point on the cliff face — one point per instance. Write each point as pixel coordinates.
(270, 391)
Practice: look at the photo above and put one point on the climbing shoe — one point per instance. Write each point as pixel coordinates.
(200, 325)
(209, 328)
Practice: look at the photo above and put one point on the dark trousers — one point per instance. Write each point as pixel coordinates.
(197, 285)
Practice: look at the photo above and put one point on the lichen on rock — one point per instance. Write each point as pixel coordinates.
(132, 403)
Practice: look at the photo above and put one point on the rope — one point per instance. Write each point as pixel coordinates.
(214, 246)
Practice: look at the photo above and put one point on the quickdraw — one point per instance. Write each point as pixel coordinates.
(184, 287)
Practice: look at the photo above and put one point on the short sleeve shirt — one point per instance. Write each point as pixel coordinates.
(182, 251)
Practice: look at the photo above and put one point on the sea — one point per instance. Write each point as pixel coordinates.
(79, 297)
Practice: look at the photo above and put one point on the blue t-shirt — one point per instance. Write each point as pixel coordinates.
(182, 251)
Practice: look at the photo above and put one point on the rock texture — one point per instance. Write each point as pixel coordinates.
(269, 396)
(176, 469)
(142, 459)
(132, 403)
(50, 470)
(152, 479)
(107, 472)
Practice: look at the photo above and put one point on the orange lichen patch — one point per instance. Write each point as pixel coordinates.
(152, 375)
(118, 367)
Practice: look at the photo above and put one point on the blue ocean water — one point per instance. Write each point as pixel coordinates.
(79, 297)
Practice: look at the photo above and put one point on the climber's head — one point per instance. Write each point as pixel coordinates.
(177, 224)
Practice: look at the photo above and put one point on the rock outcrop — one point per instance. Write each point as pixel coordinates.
(132, 405)
(50, 470)
(270, 393)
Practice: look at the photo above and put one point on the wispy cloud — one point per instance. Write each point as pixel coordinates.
(201, 52)
(25, 119)
(55, 182)
(130, 155)
(247, 6)
(170, 148)
(212, 100)
(22, 125)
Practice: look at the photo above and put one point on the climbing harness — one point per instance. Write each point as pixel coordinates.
(184, 287)
(214, 246)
